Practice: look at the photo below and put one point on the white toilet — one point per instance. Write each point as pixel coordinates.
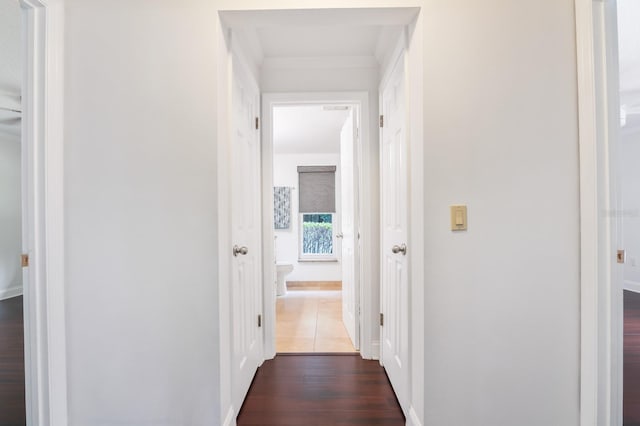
(282, 270)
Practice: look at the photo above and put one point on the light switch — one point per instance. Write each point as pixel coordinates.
(458, 218)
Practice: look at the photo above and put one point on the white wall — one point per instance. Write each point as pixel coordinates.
(10, 215)
(285, 173)
(501, 300)
(630, 188)
(141, 213)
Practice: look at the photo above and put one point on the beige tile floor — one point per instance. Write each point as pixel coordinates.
(311, 321)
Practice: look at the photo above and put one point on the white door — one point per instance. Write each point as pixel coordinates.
(348, 176)
(246, 291)
(394, 256)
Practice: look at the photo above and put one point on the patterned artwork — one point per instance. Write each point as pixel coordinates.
(282, 207)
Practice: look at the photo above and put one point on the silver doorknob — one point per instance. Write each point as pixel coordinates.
(339, 235)
(240, 250)
(402, 248)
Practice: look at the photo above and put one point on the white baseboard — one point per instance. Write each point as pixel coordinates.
(10, 292)
(375, 349)
(230, 419)
(632, 286)
(413, 419)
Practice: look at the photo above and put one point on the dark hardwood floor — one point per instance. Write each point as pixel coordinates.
(320, 390)
(631, 389)
(12, 405)
(292, 389)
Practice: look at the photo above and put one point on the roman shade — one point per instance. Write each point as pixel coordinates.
(317, 189)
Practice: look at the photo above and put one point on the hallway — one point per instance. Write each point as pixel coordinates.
(320, 390)
(12, 404)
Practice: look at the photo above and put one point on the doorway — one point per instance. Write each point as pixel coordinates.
(627, 152)
(609, 92)
(316, 56)
(316, 217)
(343, 289)
(12, 373)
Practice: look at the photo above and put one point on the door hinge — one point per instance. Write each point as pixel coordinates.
(382, 121)
(257, 123)
(24, 260)
(381, 319)
(259, 320)
(621, 256)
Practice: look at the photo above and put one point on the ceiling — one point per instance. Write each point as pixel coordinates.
(312, 38)
(629, 61)
(10, 65)
(318, 41)
(317, 33)
(307, 129)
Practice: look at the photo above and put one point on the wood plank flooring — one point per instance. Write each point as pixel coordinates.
(311, 321)
(320, 390)
(631, 386)
(12, 404)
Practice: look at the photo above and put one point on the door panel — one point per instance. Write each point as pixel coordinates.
(394, 286)
(350, 302)
(246, 291)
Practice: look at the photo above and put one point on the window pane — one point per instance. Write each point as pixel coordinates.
(317, 233)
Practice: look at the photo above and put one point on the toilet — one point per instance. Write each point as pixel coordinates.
(282, 270)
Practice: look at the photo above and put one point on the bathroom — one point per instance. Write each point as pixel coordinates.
(308, 198)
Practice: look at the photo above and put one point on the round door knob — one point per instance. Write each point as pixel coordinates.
(240, 250)
(402, 248)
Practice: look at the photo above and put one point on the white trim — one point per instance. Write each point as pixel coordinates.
(399, 46)
(588, 214)
(312, 62)
(229, 419)
(413, 419)
(43, 195)
(224, 68)
(415, 82)
(632, 286)
(11, 292)
(269, 100)
(375, 350)
(600, 347)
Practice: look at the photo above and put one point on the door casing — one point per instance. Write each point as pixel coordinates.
(600, 301)
(369, 346)
(415, 76)
(43, 212)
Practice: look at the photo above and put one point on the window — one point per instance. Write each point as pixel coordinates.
(317, 206)
(317, 234)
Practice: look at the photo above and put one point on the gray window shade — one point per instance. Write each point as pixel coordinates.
(317, 193)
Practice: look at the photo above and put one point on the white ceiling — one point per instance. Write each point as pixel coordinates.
(629, 61)
(10, 64)
(307, 129)
(318, 41)
(318, 33)
(629, 44)
(311, 38)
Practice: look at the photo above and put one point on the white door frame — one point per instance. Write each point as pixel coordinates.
(601, 313)
(43, 215)
(369, 348)
(415, 79)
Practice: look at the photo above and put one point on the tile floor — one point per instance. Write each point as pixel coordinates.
(311, 321)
